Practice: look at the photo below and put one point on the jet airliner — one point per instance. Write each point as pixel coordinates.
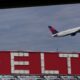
(67, 32)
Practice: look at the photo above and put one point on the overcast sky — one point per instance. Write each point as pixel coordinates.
(26, 29)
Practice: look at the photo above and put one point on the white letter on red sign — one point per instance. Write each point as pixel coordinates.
(43, 67)
(13, 63)
(68, 56)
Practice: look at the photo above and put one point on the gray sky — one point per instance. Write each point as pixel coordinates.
(26, 29)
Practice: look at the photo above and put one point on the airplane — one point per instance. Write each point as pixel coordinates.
(67, 32)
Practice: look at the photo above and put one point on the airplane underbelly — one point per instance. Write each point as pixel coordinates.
(65, 34)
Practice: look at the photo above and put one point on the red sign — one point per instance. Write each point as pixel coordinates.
(39, 63)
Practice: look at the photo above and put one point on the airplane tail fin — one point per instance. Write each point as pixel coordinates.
(53, 31)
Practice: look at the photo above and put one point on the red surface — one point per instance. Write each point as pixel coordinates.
(52, 61)
(75, 65)
(5, 67)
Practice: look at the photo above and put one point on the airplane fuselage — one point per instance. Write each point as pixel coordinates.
(71, 32)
